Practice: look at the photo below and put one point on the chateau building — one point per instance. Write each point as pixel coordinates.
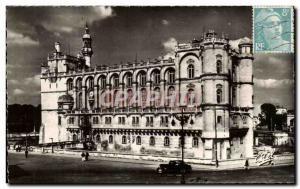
(131, 108)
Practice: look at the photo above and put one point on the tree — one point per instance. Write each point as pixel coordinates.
(268, 115)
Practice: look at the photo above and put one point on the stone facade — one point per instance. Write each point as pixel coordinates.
(131, 108)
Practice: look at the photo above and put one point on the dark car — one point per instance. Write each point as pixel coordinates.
(177, 166)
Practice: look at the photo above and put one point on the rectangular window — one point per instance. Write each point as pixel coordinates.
(120, 121)
(151, 121)
(219, 119)
(234, 118)
(241, 140)
(137, 120)
(59, 120)
(123, 120)
(147, 121)
(133, 120)
(244, 118)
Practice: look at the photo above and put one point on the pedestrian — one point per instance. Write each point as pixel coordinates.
(247, 164)
(82, 156)
(87, 156)
(26, 153)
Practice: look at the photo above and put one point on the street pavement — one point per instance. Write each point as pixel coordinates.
(51, 169)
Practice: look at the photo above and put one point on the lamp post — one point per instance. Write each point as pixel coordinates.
(183, 120)
(51, 145)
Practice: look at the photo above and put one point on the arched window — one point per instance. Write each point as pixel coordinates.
(116, 81)
(70, 84)
(190, 70)
(143, 79)
(143, 97)
(170, 96)
(166, 141)
(195, 142)
(115, 98)
(110, 139)
(79, 100)
(171, 77)
(219, 66)
(79, 84)
(74, 137)
(129, 97)
(156, 77)
(124, 141)
(90, 83)
(138, 140)
(129, 80)
(98, 140)
(152, 141)
(190, 97)
(157, 97)
(102, 82)
(219, 93)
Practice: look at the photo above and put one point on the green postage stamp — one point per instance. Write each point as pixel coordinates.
(273, 29)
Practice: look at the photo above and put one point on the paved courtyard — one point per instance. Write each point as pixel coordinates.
(38, 168)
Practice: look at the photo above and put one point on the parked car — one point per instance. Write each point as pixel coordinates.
(177, 166)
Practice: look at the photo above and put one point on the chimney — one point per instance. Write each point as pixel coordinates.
(57, 47)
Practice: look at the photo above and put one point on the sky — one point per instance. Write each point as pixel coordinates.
(120, 34)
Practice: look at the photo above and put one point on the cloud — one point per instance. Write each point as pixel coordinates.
(18, 91)
(169, 47)
(67, 19)
(165, 22)
(13, 82)
(103, 12)
(35, 80)
(14, 38)
(273, 83)
(235, 43)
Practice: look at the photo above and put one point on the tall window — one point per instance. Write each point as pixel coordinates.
(138, 140)
(180, 142)
(166, 141)
(124, 141)
(234, 95)
(74, 137)
(244, 118)
(156, 78)
(79, 84)
(80, 100)
(190, 97)
(143, 79)
(102, 82)
(116, 81)
(129, 97)
(171, 77)
(170, 96)
(144, 97)
(157, 97)
(152, 141)
(219, 93)
(195, 142)
(190, 71)
(202, 93)
(59, 120)
(110, 139)
(90, 83)
(98, 140)
(129, 80)
(70, 84)
(219, 119)
(219, 66)
(95, 120)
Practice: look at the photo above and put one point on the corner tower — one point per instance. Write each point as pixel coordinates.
(86, 50)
